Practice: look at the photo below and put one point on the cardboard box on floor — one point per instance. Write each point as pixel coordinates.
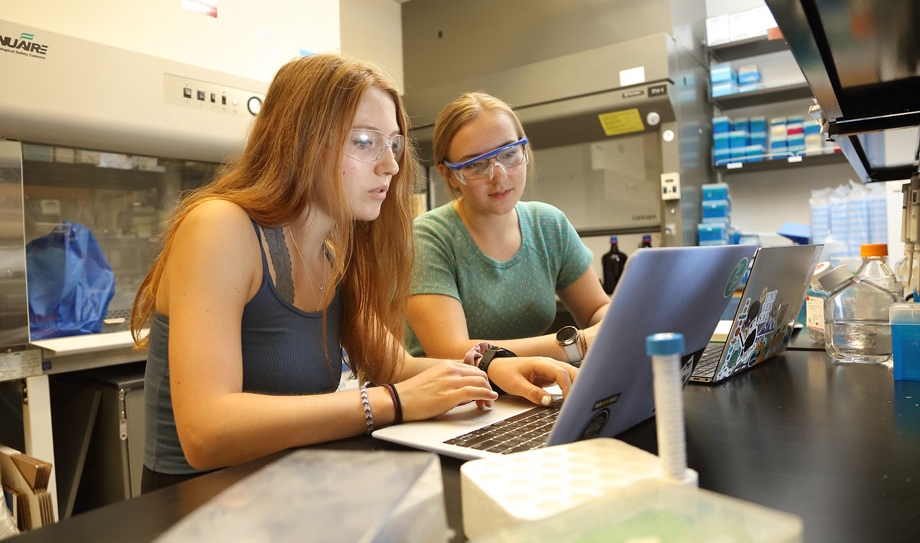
(26, 479)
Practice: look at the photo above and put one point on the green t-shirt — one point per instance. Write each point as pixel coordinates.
(501, 300)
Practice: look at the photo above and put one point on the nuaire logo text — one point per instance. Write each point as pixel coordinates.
(23, 45)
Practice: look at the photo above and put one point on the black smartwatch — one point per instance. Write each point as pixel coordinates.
(567, 338)
(492, 353)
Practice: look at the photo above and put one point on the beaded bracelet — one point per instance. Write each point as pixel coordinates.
(584, 344)
(397, 404)
(368, 416)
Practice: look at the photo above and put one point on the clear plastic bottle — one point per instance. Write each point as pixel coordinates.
(856, 326)
(612, 264)
(814, 304)
(646, 241)
(875, 267)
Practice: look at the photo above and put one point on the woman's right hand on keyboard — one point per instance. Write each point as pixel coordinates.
(526, 376)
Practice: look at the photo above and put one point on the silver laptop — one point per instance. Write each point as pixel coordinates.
(672, 289)
(765, 316)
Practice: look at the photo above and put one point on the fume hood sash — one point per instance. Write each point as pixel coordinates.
(862, 62)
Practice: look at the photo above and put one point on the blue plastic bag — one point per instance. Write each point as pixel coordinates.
(70, 283)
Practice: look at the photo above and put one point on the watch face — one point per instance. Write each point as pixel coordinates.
(567, 335)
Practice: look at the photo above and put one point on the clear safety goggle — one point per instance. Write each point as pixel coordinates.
(368, 145)
(507, 157)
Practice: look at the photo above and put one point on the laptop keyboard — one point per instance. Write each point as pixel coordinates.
(706, 367)
(522, 432)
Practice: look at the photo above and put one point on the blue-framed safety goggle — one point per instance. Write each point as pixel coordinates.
(460, 165)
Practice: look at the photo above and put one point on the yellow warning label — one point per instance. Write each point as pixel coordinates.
(621, 122)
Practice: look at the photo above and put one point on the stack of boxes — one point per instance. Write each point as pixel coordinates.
(744, 139)
(814, 140)
(717, 205)
(847, 216)
(797, 136)
(741, 139)
(724, 80)
(749, 78)
(787, 136)
(778, 146)
(721, 147)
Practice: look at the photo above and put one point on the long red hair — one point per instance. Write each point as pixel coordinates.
(292, 161)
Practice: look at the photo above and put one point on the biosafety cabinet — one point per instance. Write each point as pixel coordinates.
(108, 139)
(101, 141)
(612, 95)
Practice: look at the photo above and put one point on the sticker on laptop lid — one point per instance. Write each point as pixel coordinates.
(735, 278)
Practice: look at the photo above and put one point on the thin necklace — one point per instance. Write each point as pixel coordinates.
(321, 287)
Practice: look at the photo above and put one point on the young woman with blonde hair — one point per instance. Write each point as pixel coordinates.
(488, 266)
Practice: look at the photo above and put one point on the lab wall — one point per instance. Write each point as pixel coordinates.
(245, 38)
(252, 39)
(372, 30)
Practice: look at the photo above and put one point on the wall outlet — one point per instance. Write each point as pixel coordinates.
(670, 186)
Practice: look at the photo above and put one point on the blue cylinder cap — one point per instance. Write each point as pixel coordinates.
(664, 344)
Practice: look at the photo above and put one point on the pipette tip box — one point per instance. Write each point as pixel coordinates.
(653, 510)
(605, 490)
(499, 492)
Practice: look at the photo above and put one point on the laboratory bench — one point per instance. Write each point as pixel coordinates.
(32, 374)
(837, 445)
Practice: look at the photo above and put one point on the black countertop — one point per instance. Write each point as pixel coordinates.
(838, 445)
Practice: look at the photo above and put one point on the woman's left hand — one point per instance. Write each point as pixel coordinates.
(526, 376)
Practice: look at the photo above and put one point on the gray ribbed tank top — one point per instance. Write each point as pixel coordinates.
(282, 355)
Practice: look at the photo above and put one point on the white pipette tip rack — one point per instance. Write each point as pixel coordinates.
(606, 490)
(502, 491)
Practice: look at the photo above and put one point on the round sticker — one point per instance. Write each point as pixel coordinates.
(735, 277)
(595, 426)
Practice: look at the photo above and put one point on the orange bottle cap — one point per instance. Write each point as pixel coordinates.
(873, 249)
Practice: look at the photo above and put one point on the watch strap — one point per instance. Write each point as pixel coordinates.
(486, 360)
(573, 353)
